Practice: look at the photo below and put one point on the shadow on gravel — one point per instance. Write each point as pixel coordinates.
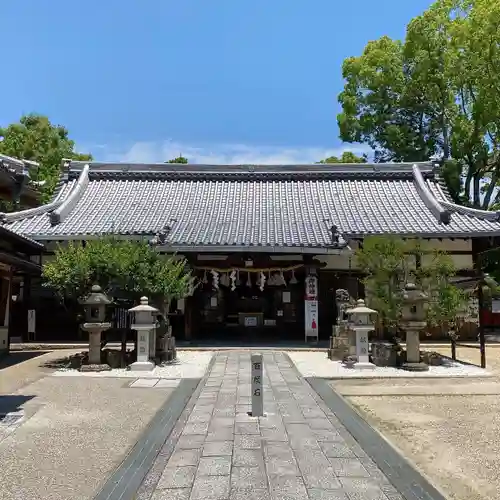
(12, 403)
(16, 357)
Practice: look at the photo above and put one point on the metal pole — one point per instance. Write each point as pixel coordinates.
(482, 342)
(257, 389)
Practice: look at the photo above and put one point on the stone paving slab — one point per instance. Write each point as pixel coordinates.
(163, 383)
(298, 450)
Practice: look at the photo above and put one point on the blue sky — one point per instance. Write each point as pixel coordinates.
(233, 81)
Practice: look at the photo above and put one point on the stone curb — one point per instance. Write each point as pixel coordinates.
(408, 481)
(128, 477)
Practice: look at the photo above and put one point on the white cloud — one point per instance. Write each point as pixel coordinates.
(224, 154)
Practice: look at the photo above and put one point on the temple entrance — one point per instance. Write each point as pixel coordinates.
(251, 307)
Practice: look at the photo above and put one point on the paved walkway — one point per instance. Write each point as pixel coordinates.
(299, 450)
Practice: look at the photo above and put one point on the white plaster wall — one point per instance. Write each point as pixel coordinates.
(341, 262)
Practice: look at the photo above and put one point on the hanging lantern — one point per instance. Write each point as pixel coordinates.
(205, 279)
(293, 279)
(249, 281)
(238, 281)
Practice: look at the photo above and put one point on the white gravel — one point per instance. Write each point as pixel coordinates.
(190, 364)
(316, 364)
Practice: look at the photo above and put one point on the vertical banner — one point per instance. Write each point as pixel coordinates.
(311, 318)
(311, 307)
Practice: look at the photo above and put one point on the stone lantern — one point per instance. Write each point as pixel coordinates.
(145, 323)
(413, 321)
(95, 313)
(339, 341)
(362, 323)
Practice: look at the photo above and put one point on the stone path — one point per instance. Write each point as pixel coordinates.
(298, 450)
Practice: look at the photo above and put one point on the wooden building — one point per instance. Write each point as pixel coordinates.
(20, 256)
(270, 244)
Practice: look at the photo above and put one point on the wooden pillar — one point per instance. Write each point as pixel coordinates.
(188, 319)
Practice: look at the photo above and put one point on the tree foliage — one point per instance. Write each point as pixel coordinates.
(179, 159)
(35, 138)
(127, 269)
(389, 263)
(346, 157)
(435, 93)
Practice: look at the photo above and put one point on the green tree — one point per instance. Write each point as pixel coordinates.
(435, 93)
(35, 138)
(388, 263)
(123, 269)
(179, 159)
(120, 267)
(346, 157)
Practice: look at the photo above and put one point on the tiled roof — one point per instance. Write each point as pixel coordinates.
(267, 206)
(6, 232)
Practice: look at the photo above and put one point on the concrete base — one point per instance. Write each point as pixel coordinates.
(415, 367)
(142, 366)
(364, 366)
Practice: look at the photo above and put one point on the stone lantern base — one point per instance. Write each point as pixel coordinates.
(415, 367)
(142, 366)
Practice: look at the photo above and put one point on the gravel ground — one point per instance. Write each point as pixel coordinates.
(316, 364)
(449, 428)
(451, 439)
(74, 433)
(191, 364)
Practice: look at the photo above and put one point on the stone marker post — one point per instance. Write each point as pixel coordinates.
(362, 325)
(414, 321)
(257, 388)
(144, 324)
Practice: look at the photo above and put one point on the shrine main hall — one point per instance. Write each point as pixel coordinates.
(269, 244)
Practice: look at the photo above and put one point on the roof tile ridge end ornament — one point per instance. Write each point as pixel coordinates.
(428, 198)
(65, 208)
(11, 217)
(447, 201)
(490, 215)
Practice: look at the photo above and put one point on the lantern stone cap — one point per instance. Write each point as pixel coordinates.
(413, 293)
(144, 306)
(95, 297)
(360, 308)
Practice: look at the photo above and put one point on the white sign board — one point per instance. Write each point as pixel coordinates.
(257, 389)
(250, 321)
(31, 320)
(495, 306)
(311, 318)
(311, 288)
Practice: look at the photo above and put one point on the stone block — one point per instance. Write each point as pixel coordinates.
(183, 457)
(384, 354)
(218, 449)
(247, 458)
(210, 488)
(247, 441)
(214, 466)
(95, 368)
(177, 477)
(248, 478)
